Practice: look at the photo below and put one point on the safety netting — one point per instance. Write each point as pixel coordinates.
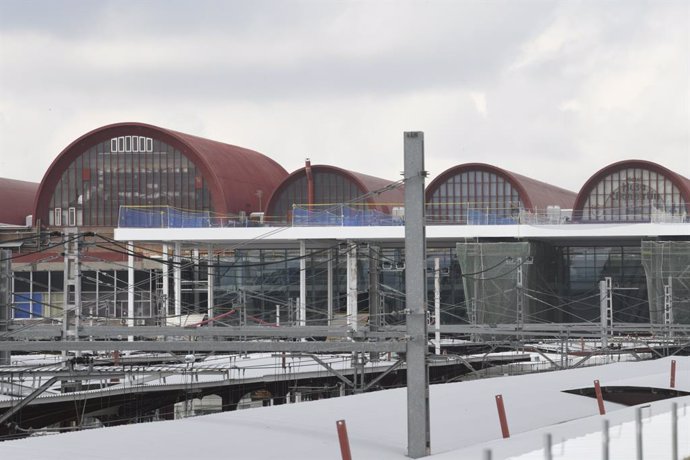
(162, 217)
(490, 278)
(667, 268)
(481, 217)
(343, 216)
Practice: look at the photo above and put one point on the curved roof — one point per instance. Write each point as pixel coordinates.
(365, 182)
(234, 174)
(18, 199)
(533, 193)
(683, 183)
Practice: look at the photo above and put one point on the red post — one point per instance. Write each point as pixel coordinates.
(582, 344)
(344, 441)
(502, 416)
(673, 373)
(600, 398)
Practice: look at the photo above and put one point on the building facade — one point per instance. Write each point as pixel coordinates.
(328, 241)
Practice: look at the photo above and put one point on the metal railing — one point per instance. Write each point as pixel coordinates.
(360, 215)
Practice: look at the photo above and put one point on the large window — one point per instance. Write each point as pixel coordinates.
(474, 197)
(126, 171)
(580, 269)
(634, 195)
(330, 190)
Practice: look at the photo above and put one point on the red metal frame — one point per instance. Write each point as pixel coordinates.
(343, 440)
(600, 398)
(502, 416)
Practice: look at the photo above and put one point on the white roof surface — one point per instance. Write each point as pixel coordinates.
(464, 422)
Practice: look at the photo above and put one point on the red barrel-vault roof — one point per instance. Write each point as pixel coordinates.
(682, 182)
(383, 201)
(234, 174)
(533, 193)
(17, 200)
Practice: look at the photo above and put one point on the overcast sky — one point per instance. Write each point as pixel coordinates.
(553, 90)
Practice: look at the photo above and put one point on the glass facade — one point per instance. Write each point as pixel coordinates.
(562, 286)
(329, 189)
(262, 279)
(104, 294)
(472, 195)
(126, 171)
(634, 195)
(577, 274)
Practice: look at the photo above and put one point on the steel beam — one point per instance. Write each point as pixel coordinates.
(30, 397)
(206, 345)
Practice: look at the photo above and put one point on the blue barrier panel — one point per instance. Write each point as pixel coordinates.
(305, 217)
(352, 217)
(187, 219)
(343, 216)
(22, 305)
(142, 217)
(477, 217)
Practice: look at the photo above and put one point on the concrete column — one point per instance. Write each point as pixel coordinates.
(437, 305)
(418, 430)
(352, 286)
(195, 276)
(329, 287)
(211, 271)
(375, 318)
(5, 277)
(177, 283)
(130, 288)
(166, 285)
(302, 284)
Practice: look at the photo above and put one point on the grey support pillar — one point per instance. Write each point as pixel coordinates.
(195, 273)
(375, 318)
(437, 306)
(329, 287)
(177, 283)
(418, 431)
(352, 312)
(5, 277)
(71, 288)
(130, 288)
(165, 286)
(606, 310)
(302, 315)
(210, 274)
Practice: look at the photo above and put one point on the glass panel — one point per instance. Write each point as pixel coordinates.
(636, 195)
(119, 177)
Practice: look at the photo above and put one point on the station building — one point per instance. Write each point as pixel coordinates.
(220, 230)
(18, 198)
(160, 174)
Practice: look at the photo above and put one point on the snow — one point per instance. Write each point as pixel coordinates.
(464, 422)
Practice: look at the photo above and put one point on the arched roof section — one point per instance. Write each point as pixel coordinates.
(18, 199)
(234, 174)
(332, 186)
(463, 189)
(633, 190)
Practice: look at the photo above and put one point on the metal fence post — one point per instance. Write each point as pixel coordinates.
(343, 440)
(674, 431)
(600, 398)
(638, 433)
(673, 373)
(547, 447)
(605, 440)
(502, 416)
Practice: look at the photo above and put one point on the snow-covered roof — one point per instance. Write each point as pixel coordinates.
(464, 422)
